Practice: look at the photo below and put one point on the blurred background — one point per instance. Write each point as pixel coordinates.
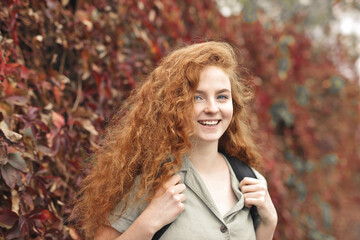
(66, 65)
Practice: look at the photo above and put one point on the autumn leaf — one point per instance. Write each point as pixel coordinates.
(17, 100)
(41, 214)
(57, 119)
(10, 135)
(45, 150)
(17, 161)
(86, 123)
(7, 218)
(9, 174)
(25, 72)
(3, 154)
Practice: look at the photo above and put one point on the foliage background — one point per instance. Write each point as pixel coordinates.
(66, 65)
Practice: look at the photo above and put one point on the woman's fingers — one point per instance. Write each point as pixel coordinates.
(254, 199)
(173, 180)
(254, 188)
(176, 194)
(178, 188)
(252, 185)
(248, 181)
(180, 198)
(260, 194)
(169, 185)
(256, 193)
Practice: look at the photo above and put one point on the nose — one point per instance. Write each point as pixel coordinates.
(211, 107)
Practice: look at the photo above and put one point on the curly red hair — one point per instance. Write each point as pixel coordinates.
(154, 124)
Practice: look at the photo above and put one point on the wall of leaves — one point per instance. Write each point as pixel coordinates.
(65, 65)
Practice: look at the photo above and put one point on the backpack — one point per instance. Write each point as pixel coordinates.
(241, 170)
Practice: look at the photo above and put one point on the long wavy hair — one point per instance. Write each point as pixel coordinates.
(154, 124)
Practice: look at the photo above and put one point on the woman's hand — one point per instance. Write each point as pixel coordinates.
(167, 204)
(256, 193)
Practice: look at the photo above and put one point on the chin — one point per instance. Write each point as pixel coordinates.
(207, 139)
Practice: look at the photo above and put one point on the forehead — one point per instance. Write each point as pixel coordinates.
(213, 77)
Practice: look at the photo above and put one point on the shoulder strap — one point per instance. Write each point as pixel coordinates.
(159, 233)
(241, 170)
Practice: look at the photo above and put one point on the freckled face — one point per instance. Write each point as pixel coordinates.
(212, 105)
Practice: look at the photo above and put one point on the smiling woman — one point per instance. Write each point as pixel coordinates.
(163, 160)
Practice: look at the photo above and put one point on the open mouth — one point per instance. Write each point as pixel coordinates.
(209, 123)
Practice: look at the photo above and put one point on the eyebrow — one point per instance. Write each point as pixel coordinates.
(219, 91)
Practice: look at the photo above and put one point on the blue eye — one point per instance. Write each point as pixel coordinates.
(196, 98)
(223, 97)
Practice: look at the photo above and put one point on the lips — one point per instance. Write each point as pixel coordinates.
(209, 122)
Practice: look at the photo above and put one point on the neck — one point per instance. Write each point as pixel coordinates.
(205, 156)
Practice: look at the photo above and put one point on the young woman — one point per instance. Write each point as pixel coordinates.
(162, 161)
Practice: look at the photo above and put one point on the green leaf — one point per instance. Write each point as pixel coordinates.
(8, 173)
(17, 162)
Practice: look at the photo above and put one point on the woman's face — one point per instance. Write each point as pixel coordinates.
(212, 105)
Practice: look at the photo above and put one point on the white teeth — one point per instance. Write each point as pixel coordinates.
(209, 123)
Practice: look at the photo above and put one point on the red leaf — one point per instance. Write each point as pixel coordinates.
(10, 67)
(17, 100)
(97, 78)
(57, 94)
(32, 113)
(58, 120)
(25, 72)
(8, 218)
(8, 88)
(50, 137)
(41, 214)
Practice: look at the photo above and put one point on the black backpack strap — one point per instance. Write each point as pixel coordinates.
(242, 170)
(159, 233)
